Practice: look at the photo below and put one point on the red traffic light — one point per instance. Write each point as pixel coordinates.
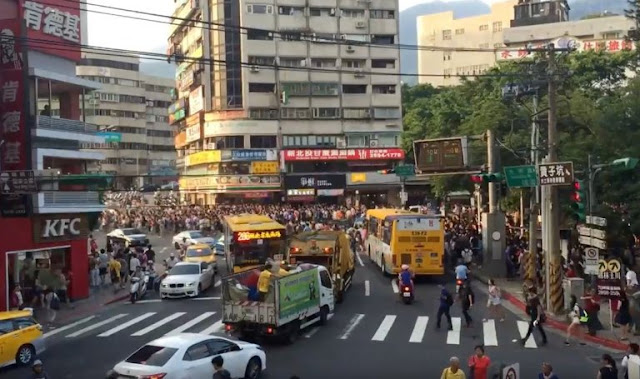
(576, 197)
(476, 179)
(577, 186)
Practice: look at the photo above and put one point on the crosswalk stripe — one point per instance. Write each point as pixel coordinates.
(67, 327)
(351, 326)
(191, 323)
(523, 327)
(367, 288)
(384, 328)
(394, 286)
(489, 331)
(96, 325)
(126, 325)
(158, 324)
(453, 336)
(419, 328)
(215, 328)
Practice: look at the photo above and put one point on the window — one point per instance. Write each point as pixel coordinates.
(386, 233)
(108, 97)
(229, 142)
(260, 9)
(483, 28)
(354, 88)
(159, 133)
(263, 142)
(356, 113)
(296, 89)
(290, 36)
(326, 141)
(354, 63)
(352, 13)
(324, 89)
(323, 62)
(383, 63)
(319, 12)
(446, 34)
(109, 63)
(358, 140)
(293, 62)
(459, 31)
(290, 11)
(263, 113)
(294, 113)
(383, 39)
(24, 322)
(386, 113)
(261, 60)
(127, 82)
(325, 280)
(321, 37)
(259, 35)
(446, 56)
(197, 352)
(497, 26)
(382, 13)
(262, 87)
(385, 89)
(296, 141)
(355, 38)
(326, 113)
(447, 72)
(218, 346)
(150, 355)
(373, 226)
(6, 326)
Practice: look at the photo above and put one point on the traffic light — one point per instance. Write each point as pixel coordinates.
(578, 200)
(487, 178)
(284, 97)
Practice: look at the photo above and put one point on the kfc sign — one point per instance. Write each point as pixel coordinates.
(343, 154)
(53, 27)
(59, 228)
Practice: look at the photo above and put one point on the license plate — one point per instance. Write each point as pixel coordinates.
(406, 294)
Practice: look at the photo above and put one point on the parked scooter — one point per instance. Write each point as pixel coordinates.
(138, 287)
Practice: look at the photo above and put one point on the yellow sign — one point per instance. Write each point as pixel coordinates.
(248, 236)
(358, 177)
(264, 167)
(614, 266)
(229, 182)
(209, 156)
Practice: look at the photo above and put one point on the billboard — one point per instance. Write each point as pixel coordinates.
(53, 27)
(443, 154)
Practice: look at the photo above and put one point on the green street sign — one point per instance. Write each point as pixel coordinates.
(405, 170)
(521, 176)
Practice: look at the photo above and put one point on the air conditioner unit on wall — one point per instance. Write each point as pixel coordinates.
(359, 74)
(361, 24)
(350, 49)
(374, 143)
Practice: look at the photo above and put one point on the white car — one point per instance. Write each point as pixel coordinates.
(193, 237)
(187, 279)
(132, 236)
(189, 355)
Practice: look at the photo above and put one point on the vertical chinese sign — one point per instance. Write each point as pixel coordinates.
(13, 134)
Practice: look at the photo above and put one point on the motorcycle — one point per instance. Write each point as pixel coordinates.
(459, 283)
(406, 293)
(138, 287)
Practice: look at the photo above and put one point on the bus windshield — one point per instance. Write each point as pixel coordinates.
(254, 253)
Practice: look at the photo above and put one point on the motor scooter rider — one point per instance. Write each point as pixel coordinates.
(462, 274)
(405, 277)
(171, 261)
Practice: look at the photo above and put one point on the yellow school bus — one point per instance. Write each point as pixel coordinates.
(250, 239)
(396, 237)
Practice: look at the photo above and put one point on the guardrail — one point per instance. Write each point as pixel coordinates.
(48, 122)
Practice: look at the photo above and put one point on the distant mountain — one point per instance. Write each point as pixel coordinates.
(158, 68)
(468, 8)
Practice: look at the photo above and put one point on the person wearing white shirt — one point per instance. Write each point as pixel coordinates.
(632, 351)
(134, 263)
(632, 279)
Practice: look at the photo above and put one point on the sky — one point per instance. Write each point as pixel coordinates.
(130, 34)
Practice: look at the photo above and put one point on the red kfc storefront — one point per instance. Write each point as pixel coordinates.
(43, 246)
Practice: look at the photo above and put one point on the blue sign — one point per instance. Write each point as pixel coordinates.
(249, 155)
(111, 136)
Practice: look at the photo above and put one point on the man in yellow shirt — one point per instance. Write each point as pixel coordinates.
(114, 269)
(264, 280)
(453, 371)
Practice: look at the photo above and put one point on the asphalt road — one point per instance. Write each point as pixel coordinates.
(371, 335)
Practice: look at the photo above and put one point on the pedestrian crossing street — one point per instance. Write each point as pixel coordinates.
(359, 327)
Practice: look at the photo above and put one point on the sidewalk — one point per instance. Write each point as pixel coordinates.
(512, 292)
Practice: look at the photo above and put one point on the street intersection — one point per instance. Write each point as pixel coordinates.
(371, 335)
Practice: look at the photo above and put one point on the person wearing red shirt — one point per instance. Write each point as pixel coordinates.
(479, 364)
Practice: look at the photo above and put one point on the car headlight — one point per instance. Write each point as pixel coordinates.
(191, 284)
(164, 285)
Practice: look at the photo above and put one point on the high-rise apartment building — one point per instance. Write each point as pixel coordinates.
(446, 34)
(131, 111)
(297, 100)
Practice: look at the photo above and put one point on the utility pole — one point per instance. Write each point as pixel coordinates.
(534, 199)
(493, 222)
(491, 167)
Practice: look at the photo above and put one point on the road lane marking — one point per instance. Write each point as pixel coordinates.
(67, 327)
(215, 328)
(453, 336)
(163, 250)
(311, 332)
(147, 301)
(97, 325)
(523, 327)
(418, 330)
(217, 284)
(489, 331)
(367, 290)
(394, 286)
(360, 259)
(351, 326)
(206, 298)
(384, 328)
(158, 324)
(126, 325)
(190, 324)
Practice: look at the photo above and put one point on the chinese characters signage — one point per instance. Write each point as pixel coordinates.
(254, 155)
(441, 154)
(342, 154)
(193, 133)
(321, 181)
(555, 174)
(224, 183)
(54, 26)
(249, 236)
(12, 182)
(582, 46)
(609, 282)
(264, 167)
(202, 157)
(196, 101)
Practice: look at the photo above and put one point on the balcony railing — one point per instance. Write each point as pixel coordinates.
(71, 199)
(63, 124)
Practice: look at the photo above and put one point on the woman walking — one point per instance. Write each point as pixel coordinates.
(577, 316)
(623, 317)
(608, 369)
(495, 301)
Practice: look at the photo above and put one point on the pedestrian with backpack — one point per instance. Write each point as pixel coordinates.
(446, 301)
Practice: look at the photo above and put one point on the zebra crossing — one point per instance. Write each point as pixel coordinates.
(374, 328)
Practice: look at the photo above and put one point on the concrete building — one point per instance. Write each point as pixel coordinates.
(442, 30)
(303, 115)
(131, 111)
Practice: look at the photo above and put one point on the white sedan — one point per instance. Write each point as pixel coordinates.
(189, 355)
(187, 279)
(193, 237)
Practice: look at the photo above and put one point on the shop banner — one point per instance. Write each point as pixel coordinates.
(331, 181)
(196, 101)
(299, 181)
(53, 27)
(230, 182)
(267, 167)
(298, 293)
(178, 105)
(209, 156)
(180, 140)
(254, 155)
(193, 133)
(59, 227)
(343, 154)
